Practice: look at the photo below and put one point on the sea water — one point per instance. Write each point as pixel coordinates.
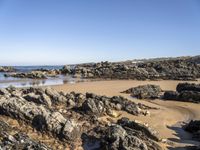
(25, 82)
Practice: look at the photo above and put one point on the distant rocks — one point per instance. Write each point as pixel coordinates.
(33, 74)
(7, 69)
(169, 69)
(184, 92)
(145, 91)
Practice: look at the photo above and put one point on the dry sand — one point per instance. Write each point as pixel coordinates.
(166, 120)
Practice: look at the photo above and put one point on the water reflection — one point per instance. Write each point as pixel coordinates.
(33, 82)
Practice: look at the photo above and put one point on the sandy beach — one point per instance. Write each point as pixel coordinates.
(167, 119)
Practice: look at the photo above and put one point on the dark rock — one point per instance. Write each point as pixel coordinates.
(171, 95)
(149, 132)
(125, 135)
(93, 106)
(188, 87)
(193, 126)
(145, 91)
(175, 69)
(185, 92)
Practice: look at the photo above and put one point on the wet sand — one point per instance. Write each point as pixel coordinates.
(167, 120)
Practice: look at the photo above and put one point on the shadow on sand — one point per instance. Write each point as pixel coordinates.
(183, 138)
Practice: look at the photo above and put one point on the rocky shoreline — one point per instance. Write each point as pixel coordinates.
(169, 69)
(181, 68)
(74, 117)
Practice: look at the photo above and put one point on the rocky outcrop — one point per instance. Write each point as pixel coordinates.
(185, 92)
(31, 75)
(69, 117)
(126, 134)
(12, 139)
(7, 69)
(175, 69)
(39, 116)
(99, 105)
(145, 91)
(35, 74)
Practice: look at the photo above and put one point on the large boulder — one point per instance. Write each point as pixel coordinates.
(185, 92)
(126, 135)
(145, 91)
(188, 87)
(117, 138)
(170, 95)
(145, 129)
(93, 106)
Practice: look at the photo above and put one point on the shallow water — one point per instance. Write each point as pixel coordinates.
(18, 82)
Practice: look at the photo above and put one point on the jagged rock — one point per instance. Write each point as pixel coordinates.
(185, 92)
(119, 139)
(145, 91)
(12, 139)
(145, 129)
(93, 106)
(21, 142)
(55, 96)
(125, 135)
(188, 87)
(40, 117)
(39, 99)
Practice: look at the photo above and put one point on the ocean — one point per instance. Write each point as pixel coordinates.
(19, 82)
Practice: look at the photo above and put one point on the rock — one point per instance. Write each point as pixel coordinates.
(149, 132)
(12, 139)
(193, 126)
(188, 87)
(71, 130)
(185, 92)
(174, 69)
(118, 136)
(40, 117)
(66, 69)
(171, 95)
(93, 106)
(7, 69)
(4, 92)
(145, 91)
(119, 139)
(55, 96)
(112, 113)
(31, 75)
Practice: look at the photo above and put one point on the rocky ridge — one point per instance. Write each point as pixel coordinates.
(172, 69)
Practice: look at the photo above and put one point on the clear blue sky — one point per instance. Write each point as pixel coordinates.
(34, 32)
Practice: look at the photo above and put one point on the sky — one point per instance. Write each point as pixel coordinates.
(56, 32)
